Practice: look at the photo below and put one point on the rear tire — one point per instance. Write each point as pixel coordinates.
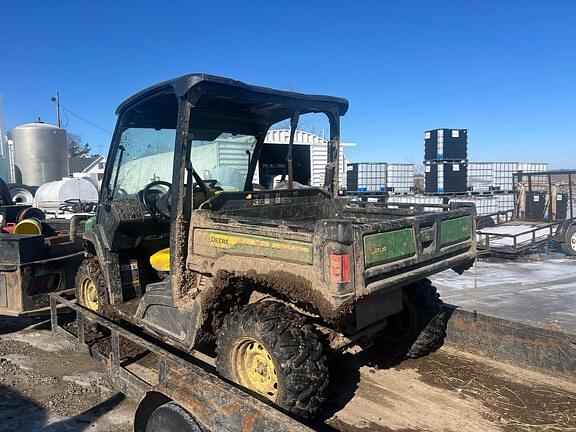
(420, 328)
(91, 286)
(171, 417)
(569, 245)
(271, 350)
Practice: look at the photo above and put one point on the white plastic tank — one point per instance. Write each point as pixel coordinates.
(54, 194)
(40, 153)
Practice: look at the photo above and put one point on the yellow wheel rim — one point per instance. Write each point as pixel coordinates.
(89, 294)
(254, 368)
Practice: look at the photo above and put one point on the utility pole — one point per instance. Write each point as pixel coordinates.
(56, 100)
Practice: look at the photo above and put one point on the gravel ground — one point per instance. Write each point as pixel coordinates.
(46, 386)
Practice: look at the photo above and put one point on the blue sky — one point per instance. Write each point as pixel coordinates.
(506, 70)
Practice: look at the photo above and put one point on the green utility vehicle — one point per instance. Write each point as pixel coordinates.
(187, 248)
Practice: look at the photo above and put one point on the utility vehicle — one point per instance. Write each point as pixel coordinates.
(187, 248)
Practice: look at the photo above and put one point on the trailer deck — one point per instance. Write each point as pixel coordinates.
(514, 238)
(215, 404)
(450, 390)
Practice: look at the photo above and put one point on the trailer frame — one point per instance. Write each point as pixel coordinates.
(213, 403)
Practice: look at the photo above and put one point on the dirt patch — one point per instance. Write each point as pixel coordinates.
(46, 386)
(63, 383)
(364, 426)
(514, 404)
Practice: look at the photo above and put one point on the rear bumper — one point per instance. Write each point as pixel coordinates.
(420, 271)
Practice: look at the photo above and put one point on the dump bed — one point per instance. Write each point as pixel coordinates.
(343, 253)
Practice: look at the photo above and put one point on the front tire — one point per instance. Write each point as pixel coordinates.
(271, 350)
(91, 286)
(569, 245)
(420, 328)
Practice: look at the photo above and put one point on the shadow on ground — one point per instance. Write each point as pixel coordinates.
(21, 413)
(9, 324)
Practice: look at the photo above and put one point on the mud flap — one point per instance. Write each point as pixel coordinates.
(374, 308)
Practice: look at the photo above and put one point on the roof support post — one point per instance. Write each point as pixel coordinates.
(332, 177)
(180, 218)
(293, 126)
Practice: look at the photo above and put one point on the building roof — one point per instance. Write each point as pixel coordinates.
(83, 163)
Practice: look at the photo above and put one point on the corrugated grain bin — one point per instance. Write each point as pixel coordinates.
(446, 144)
(40, 153)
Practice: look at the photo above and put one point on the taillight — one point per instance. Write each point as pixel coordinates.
(340, 267)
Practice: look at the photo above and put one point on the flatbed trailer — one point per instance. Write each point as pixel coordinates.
(510, 237)
(544, 212)
(169, 376)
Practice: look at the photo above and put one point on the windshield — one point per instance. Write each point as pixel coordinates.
(222, 157)
(145, 155)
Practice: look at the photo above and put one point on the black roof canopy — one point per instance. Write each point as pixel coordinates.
(263, 105)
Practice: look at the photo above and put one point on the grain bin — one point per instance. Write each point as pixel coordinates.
(40, 153)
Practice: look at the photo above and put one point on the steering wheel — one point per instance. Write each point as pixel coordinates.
(156, 201)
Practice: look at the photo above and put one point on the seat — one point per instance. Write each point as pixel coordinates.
(160, 261)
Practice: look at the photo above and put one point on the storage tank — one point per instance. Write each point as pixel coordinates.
(54, 194)
(367, 177)
(40, 153)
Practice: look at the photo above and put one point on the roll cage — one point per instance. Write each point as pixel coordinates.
(206, 100)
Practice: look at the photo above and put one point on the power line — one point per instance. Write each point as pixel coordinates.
(86, 120)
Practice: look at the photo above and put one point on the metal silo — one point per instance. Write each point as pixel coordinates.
(40, 153)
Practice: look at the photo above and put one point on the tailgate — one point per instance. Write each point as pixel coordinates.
(398, 252)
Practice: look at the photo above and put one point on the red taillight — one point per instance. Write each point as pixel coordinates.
(340, 267)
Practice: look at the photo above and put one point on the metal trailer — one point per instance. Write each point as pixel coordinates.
(32, 266)
(544, 212)
(166, 377)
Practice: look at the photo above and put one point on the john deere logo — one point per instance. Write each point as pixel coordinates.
(378, 250)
